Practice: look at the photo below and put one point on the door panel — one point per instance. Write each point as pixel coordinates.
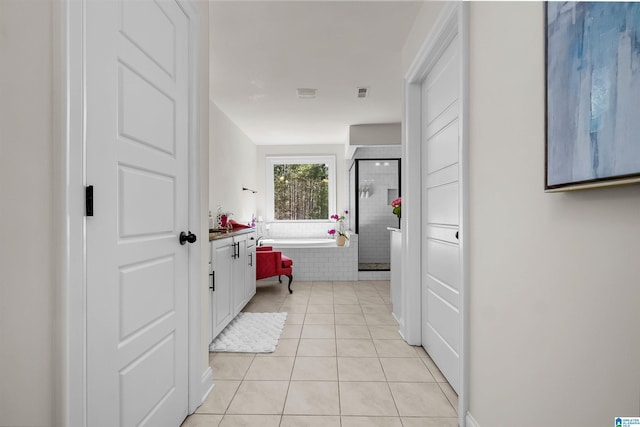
(146, 202)
(442, 204)
(221, 298)
(154, 127)
(137, 160)
(441, 210)
(239, 268)
(448, 360)
(442, 83)
(443, 263)
(250, 278)
(146, 384)
(137, 282)
(442, 148)
(445, 233)
(156, 38)
(443, 290)
(444, 320)
(449, 115)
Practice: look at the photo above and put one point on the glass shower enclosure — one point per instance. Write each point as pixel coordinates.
(375, 183)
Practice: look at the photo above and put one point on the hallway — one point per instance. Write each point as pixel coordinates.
(340, 362)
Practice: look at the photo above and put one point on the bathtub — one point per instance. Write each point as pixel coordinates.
(318, 259)
(298, 243)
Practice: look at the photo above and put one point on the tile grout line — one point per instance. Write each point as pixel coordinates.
(323, 289)
(335, 337)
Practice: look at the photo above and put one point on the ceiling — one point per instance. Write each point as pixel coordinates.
(262, 51)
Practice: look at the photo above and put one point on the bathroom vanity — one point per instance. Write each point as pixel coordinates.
(232, 275)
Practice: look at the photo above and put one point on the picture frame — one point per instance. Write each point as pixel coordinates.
(592, 97)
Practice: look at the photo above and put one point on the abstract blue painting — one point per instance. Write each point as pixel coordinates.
(593, 93)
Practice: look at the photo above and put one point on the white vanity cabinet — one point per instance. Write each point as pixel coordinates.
(220, 285)
(232, 277)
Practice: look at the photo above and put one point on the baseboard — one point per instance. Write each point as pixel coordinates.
(400, 323)
(470, 421)
(206, 383)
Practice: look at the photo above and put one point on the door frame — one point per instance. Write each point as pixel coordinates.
(356, 165)
(72, 301)
(453, 20)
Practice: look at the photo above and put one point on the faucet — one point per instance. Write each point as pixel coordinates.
(258, 240)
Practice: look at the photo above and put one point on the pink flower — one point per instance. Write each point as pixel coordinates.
(331, 232)
(397, 202)
(335, 217)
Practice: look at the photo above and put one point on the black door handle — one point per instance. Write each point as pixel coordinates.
(456, 234)
(184, 237)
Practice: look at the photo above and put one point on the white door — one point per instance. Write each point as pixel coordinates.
(238, 274)
(136, 68)
(441, 277)
(221, 304)
(250, 273)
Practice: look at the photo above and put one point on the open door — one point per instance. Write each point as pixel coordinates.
(137, 160)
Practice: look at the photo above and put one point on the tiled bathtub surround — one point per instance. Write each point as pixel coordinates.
(332, 263)
(327, 263)
(297, 230)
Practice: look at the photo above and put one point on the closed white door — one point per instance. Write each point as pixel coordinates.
(221, 304)
(441, 277)
(136, 70)
(250, 274)
(238, 274)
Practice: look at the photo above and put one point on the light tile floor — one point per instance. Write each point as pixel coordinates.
(340, 362)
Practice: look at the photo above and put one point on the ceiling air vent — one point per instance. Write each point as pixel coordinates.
(306, 93)
(363, 92)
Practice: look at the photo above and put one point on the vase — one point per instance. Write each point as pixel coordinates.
(341, 240)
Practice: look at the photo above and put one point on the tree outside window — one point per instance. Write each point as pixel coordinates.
(301, 191)
(300, 188)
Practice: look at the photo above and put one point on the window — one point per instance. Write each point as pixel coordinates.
(301, 188)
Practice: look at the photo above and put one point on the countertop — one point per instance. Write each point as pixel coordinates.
(215, 235)
(394, 229)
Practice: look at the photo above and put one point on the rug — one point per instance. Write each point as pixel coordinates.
(251, 333)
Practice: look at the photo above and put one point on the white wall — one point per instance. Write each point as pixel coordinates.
(375, 134)
(555, 285)
(263, 151)
(420, 30)
(27, 283)
(232, 158)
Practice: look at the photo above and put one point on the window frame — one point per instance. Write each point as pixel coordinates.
(329, 160)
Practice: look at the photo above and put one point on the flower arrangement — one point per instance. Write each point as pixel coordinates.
(397, 207)
(339, 219)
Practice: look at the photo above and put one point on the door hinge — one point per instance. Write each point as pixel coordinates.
(88, 200)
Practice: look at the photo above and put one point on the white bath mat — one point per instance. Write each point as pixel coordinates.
(251, 333)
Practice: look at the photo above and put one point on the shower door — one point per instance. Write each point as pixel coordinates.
(377, 185)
